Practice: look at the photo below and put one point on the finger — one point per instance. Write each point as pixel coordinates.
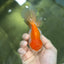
(21, 51)
(23, 44)
(28, 55)
(24, 55)
(29, 58)
(47, 43)
(26, 36)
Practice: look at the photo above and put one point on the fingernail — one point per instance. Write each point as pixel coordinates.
(21, 51)
(25, 36)
(23, 43)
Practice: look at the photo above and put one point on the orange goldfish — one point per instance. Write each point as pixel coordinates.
(35, 42)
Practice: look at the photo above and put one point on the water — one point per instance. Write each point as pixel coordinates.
(12, 27)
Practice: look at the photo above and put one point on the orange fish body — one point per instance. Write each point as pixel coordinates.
(35, 43)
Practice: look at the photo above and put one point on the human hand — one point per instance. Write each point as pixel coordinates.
(48, 55)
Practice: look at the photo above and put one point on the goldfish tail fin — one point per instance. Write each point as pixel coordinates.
(29, 15)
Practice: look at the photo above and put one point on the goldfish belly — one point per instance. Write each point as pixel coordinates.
(36, 44)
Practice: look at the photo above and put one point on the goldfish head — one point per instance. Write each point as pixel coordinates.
(36, 44)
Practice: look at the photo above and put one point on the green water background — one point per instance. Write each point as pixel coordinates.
(12, 26)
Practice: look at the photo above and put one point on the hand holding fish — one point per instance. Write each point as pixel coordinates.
(39, 50)
(48, 55)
